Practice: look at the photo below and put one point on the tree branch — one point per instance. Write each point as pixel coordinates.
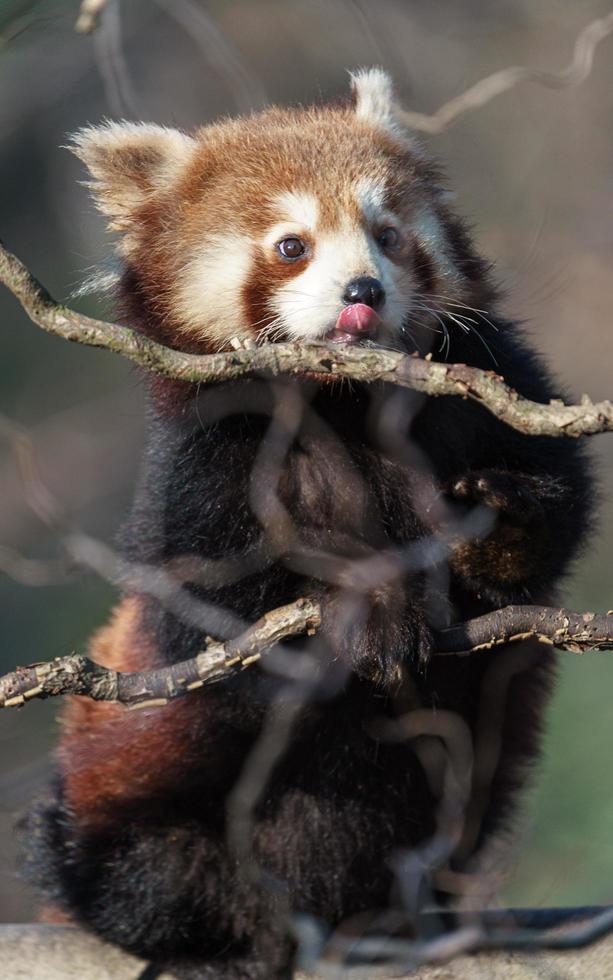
(493, 85)
(338, 360)
(77, 674)
(560, 628)
(60, 952)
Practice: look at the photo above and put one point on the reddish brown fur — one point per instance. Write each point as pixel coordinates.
(105, 753)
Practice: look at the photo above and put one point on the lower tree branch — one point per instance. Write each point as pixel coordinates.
(560, 628)
(60, 952)
(506, 79)
(365, 364)
(77, 674)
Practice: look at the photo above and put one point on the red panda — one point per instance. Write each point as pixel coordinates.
(323, 223)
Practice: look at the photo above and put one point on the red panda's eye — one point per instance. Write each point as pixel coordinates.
(388, 238)
(291, 248)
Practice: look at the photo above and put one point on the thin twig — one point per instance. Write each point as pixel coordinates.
(488, 88)
(108, 51)
(218, 52)
(360, 363)
(32, 571)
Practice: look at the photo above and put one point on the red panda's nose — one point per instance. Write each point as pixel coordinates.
(365, 290)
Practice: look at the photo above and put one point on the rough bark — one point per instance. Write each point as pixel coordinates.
(341, 360)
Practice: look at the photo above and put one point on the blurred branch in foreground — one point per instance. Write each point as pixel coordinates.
(483, 933)
(360, 363)
(77, 674)
(502, 81)
(89, 14)
(196, 21)
(45, 952)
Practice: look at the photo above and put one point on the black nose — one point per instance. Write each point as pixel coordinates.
(365, 290)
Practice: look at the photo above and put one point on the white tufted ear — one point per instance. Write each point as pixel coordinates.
(129, 162)
(374, 96)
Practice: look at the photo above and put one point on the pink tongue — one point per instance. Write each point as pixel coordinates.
(357, 318)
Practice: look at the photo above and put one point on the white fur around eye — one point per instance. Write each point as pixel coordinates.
(280, 231)
(370, 195)
(430, 233)
(298, 207)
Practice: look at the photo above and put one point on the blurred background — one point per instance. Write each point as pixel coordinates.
(533, 172)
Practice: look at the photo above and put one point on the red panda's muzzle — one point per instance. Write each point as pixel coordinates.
(355, 322)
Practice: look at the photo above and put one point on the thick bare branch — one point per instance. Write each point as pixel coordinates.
(488, 88)
(77, 674)
(361, 363)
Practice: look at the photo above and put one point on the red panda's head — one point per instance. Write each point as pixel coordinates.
(302, 224)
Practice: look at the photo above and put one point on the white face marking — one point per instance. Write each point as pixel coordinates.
(284, 229)
(370, 195)
(429, 231)
(208, 290)
(298, 207)
(307, 307)
(309, 304)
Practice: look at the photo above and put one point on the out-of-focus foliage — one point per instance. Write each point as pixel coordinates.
(532, 169)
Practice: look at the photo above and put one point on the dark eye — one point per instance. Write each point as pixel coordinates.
(388, 238)
(291, 248)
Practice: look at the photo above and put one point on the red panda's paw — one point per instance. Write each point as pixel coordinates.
(509, 561)
(517, 497)
(377, 632)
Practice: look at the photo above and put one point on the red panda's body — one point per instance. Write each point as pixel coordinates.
(329, 224)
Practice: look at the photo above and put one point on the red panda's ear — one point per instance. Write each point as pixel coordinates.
(376, 106)
(129, 163)
(373, 92)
